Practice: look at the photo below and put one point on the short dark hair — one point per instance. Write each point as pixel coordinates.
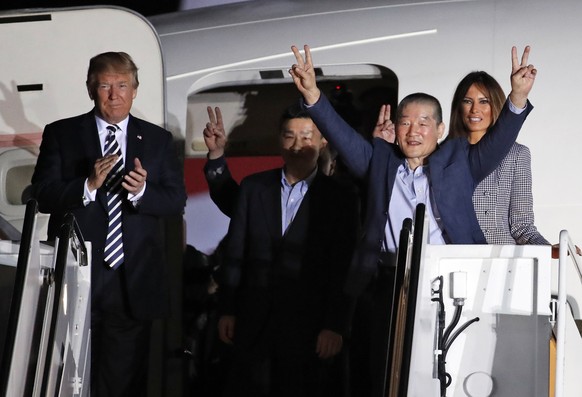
(485, 83)
(295, 111)
(421, 97)
(118, 62)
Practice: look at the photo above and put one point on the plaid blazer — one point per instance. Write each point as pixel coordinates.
(504, 203)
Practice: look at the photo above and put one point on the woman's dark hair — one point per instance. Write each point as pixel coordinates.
(489, 86)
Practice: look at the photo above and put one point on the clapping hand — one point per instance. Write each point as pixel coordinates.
(100, 171)
(134, 182)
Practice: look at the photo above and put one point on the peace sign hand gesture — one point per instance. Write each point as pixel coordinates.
(523, 76)
(214, 135)
(384, 127)
(303, 75)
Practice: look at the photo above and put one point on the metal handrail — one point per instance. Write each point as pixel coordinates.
(567, 250)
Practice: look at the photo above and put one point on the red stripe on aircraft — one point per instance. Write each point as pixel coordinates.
(20, 140)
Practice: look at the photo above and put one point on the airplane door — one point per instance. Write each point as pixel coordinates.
(252, 101)
(45, 56)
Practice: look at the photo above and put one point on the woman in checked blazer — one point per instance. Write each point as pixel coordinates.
(503, 201)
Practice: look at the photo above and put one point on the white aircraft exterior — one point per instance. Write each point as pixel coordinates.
(406, 46)
(236, 56)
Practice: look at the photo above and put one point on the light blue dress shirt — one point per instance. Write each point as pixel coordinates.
(292, 197)
(411, 188)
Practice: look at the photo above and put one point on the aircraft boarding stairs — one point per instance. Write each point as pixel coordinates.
(45, 312)
(484, 320)
(469, 320)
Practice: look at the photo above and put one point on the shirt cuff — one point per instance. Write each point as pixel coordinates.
(87, 195)
(135, 198)
(515, 109)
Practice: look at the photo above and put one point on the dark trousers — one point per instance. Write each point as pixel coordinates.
(119, 343)
(283, 368)
(370, 335)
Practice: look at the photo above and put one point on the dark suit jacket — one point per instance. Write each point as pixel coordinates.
(454, 170)
(292, 284)
(222, 187)
(68, 151)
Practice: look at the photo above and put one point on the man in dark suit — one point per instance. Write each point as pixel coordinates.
(289, 243)
(222, 187)
(415, 170)
(455, 166)
(108, 158)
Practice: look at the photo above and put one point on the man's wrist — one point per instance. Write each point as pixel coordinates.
(215, 154)
(90, 186)
(214, 168)
(311, 98)
(88, 193)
